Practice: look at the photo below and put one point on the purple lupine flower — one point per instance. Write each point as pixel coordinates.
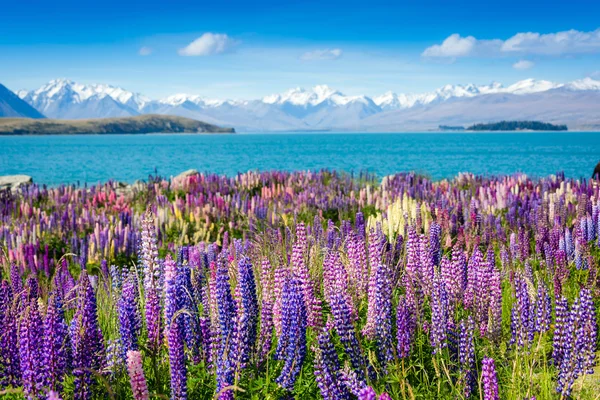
(327, 370)
(426, 272)
(405, 327)
(177, 361)
(226, 346)
(173, 294)
(153, 319)
(585, 341)
(247, 316)
(543, 309)
(367, 393)
(30, 347)
(522, 316)
(435, 241)
(560, 330)
(474, 268)
(10, 364)
(466, 355)
(494, 328)
(489, 379)
(342, 321)
(291, 347)
(357, 263)
(129, 318)
(86, 339)
(57, 346)
(383, 320)
(139, 387)
(439, 315)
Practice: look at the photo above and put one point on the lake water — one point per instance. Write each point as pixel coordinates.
(68, 159)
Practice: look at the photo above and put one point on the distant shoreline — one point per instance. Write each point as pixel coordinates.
(139, 125)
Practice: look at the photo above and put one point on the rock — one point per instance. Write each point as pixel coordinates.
(596, 171)
(13, 182)
(187, 173)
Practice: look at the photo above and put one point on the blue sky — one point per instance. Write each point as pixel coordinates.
(248, 49)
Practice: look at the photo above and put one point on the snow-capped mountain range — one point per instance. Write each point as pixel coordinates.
(320, 107)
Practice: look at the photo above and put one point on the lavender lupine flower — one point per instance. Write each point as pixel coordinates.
(427, 268)
(466, 356)
(30, 346)
(247, 317)
(57, 346)
(10, 364)
(266, 312)
(473, 272)
(383, 320)
(139, 387)
(543, 309)
(87, 340)
(115, 357)
(489, 379)
(177, 361)
(405, 328)
(494, 328)
(439, 315)
(129, 318)
(327, 370)
(300, 269)
(357, 266)
(152, 277)
(52, 395)
(376, 246)
(291, 347)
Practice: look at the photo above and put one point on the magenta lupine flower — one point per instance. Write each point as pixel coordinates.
(129, 318)
(139, 387)
(327, 370)
(177, 361)
(10, 364)
(247, 312)
(291, 347)
(30, 350)
(86, 339)
(489, 379)
(300, 270)
(57, 345)
(385, 396)
(439, 315)
(405, 328)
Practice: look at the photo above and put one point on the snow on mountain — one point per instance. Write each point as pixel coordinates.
(320, 107)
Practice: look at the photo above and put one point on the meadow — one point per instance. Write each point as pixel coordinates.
(301, 285)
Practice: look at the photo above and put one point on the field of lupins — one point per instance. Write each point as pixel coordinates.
(301, 285)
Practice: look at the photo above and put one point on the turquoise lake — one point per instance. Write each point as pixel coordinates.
(69, 159)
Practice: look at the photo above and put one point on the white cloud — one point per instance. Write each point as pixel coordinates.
(523, 64)
(145, 51)
(324, 54)
(453, 46)
(208, 44)
(552, 44)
